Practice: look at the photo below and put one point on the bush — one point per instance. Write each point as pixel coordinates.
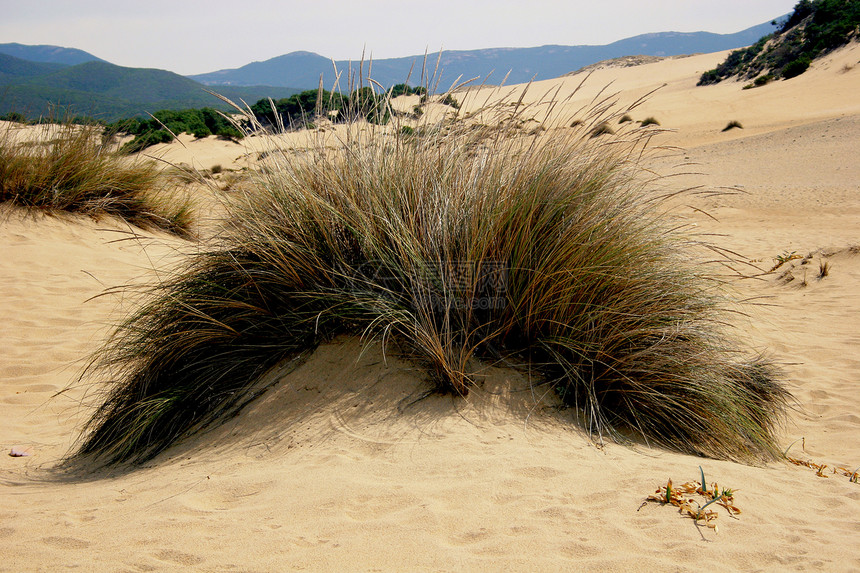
(795, 68)
(201, 132)
(164, 124)
(450, 100)
(14, 116)
(405, 89)
(732, 125)
(147, 139)
(476, 242)
(649, 121)
(72, 169)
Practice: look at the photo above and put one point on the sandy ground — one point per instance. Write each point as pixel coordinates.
(336, 469)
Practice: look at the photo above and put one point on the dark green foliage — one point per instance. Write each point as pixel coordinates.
(815, 28)
(763, 80)
(164, 124)
(737, 62)
(448, 99)
(801, 10)
(14, 116)
(406, 89)
(147, 139)
(795, 68)
(733, 125)
(368, 104)
(299, 110)
(649, 121)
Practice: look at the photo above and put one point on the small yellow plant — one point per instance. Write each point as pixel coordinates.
(698, 510)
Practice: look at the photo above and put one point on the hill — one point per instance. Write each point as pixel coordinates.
(303, 69)
(14, 69)
(107, 91)
(48, 54)
(815, 28)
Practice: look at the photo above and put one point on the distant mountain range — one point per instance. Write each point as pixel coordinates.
(103, 90)
(48, 54)
(33, 78)
(303, 69)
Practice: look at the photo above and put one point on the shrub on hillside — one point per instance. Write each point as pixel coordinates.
(795, 68)
(814, 28)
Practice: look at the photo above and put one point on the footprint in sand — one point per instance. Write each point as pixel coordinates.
(178, 557)
(66, 542)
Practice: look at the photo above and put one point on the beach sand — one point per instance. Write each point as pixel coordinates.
(339, 469)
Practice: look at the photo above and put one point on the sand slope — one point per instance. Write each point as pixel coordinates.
(338, 469)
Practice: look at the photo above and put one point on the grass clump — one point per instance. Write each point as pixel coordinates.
(649, 121)
(542, 251)
(69, 167)
(732, 125)
(602, 129)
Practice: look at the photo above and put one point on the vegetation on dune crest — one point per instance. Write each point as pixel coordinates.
(297, 111)
(814, 28)
(72, 167)
(456, 241)
(165, 124)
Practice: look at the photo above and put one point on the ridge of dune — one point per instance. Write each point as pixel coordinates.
(339, 468)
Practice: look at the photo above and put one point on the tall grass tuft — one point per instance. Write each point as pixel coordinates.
(70, 167)
(456, 241)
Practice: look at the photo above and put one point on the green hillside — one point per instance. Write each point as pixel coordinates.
(815, 28)
(13, 69)
(108, 92)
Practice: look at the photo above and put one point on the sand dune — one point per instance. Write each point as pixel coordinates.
(338, 469)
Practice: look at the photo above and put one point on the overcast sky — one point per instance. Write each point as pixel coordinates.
(198, 36)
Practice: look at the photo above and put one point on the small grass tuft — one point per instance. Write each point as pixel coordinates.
(602, 129)
(625, 118)
(649, 121)
(732, 125)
